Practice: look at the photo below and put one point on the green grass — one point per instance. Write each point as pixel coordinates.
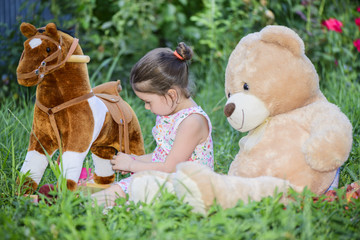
(73, 217)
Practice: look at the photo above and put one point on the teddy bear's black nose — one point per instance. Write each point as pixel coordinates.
(229, 109)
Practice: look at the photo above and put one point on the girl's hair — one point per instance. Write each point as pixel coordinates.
(160, 69)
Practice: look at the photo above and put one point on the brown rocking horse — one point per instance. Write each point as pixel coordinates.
(68, 114)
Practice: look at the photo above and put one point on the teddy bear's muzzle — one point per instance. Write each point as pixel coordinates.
(245, 111)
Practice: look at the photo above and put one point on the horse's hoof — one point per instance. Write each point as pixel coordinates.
(29, 186)
(104, 180)
(71, 185)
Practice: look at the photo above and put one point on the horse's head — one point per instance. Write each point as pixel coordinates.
(45, 51)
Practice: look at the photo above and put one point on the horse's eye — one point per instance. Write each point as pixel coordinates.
(48, 49)
(246, 86)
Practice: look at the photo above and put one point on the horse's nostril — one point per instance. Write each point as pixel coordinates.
(229, 109)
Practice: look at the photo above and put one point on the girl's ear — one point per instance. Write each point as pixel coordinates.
(173, 94)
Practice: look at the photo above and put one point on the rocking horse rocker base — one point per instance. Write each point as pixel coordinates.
(68, 114)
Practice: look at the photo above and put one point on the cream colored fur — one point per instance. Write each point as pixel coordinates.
(147, 187)
(300, 139)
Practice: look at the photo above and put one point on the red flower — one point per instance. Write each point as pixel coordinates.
(357, 44)
(357, 22)
(358, 9)
(333, 24)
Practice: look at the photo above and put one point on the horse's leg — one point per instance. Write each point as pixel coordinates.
(77, 143)
(103, 148)
(103, 174)
(36, 161)
(71, 165)
(136, 141)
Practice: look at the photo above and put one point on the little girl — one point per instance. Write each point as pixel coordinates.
(182, 131)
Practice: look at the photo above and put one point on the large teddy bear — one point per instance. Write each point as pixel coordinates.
(296, 137)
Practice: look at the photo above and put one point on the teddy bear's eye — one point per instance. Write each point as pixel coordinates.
(229, 94)
(246, 87)
(48, 49)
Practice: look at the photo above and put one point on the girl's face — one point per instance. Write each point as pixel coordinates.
(157, 104)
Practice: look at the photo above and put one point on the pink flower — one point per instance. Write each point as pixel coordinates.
(357, 44)
(333, 24)
(85, 173)
(358, 9)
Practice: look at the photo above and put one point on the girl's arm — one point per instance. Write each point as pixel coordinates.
(143, 158)
(192, 131)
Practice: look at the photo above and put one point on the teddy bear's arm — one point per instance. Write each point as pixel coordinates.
(330, 141)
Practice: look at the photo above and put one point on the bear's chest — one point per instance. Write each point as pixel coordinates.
(247, 142)
(270, 148)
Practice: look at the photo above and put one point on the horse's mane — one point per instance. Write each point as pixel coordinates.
(70, 32)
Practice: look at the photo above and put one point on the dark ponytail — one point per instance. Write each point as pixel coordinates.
(160, 69)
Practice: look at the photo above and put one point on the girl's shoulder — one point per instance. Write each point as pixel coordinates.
(197, 124)
(194, 119)
(193, 115)
(177, 118)
(187, 111)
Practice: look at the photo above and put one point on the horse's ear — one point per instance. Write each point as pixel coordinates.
(27, 29)
(52, 31)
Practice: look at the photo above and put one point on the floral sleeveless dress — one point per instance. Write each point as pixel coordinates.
(164, 133)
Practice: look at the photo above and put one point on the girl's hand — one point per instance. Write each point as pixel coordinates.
(124, 172)
(122, 162)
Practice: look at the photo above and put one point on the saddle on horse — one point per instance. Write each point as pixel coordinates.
(109, 93)
(119, 110)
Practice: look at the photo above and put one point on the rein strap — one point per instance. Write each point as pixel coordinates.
(43, 69)
(51, 111)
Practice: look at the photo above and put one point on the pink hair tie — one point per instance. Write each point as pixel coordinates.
(178, 55)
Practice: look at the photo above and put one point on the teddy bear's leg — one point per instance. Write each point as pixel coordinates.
(200, 187)
(146, 186)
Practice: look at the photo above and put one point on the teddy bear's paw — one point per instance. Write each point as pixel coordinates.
(189, 181)
(147, 186)
(287, 195)
(260, 187)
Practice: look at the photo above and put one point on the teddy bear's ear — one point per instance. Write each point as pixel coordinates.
(284, 37)
(27, 29)
(52, 31)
